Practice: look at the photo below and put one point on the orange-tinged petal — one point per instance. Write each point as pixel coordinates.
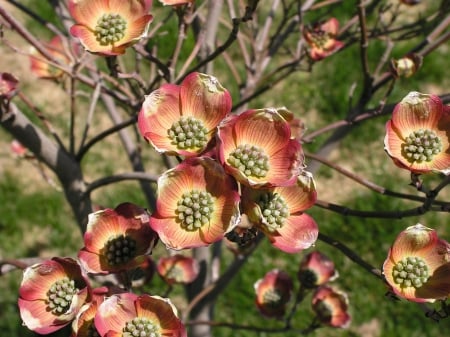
(264, 128)
(203, 97)
(37, 318)
(163, 312)
(331, 26)
(133, 8)
(414, 240)
(115, 312)
(417, 111)
(87, 12)
(136, 30)
(299, 232)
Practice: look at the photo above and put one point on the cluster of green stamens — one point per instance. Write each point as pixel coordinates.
(421, 145)
(188, 133)
(320, 38)
(410, 272)
(250, 160)
(195, 209)
(120, 250)
(110, 29)
(272, 298)
(60, 294)
(274, 210)
(141, 327)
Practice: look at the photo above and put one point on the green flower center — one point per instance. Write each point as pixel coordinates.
(60, 294)
(274, 211)
(195, 209)
(323, 310)
(421, 146)
(110, 29)
(308, 278)
(272, 298)
(320, 38)
(141, 327)
(188, 133)
(410, 272)
(250, 160)
(120, 250)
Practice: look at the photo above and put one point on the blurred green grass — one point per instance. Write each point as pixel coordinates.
(39, 223)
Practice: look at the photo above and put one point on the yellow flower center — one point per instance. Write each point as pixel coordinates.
(274, 211)
(60, 294)
(110, 29)
(250, 160)
(410, 272)
(195, 209)
(119, 250)
(421, 146)
(188, 133)
(141, 327)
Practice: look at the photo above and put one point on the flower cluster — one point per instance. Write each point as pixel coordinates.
(274, 291)
(250, 163)
(58, 292)
(417, 267)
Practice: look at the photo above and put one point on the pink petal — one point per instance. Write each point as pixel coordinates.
(203, 97)
(298, 233)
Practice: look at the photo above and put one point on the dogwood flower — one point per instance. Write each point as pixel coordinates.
(331, 307)
(128, 314)
(418, 265)
(51, 294)
(182, 119)
(178, 269)
(273, 292)
(197, 203)
(117, 239)
(278, 213)
(321, 38)
(256, 148)
(316, 269)
(417, 135)
(108, 27)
